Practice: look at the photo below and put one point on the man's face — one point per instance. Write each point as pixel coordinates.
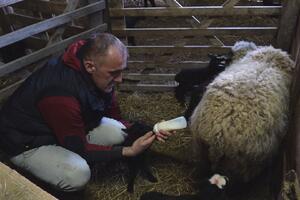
(108, 72)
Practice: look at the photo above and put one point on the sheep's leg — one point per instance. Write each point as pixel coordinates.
(130, 23)
(152, 3)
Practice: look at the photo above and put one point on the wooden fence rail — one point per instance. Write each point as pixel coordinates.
(207, 11)
(196, 38)
(218, 31)
(50, 23)
(60, 26)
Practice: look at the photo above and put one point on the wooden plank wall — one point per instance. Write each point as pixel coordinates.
(45, 28)
(156, 56)
(14, 186)
(292, 151)
(288, 39)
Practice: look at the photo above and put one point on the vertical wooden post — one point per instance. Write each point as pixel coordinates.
(117, 22)
(287, 24)
(291, 154)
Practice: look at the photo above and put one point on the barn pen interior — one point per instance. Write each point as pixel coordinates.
(162, 40)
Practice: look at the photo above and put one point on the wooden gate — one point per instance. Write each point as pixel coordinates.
(205, 29)
(44, 28)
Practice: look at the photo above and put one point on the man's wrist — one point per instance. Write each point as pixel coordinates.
(127, 152)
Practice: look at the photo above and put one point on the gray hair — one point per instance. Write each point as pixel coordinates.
(98, 45)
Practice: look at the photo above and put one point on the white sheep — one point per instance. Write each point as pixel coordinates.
(243, 114)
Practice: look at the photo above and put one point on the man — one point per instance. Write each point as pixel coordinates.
(45, 124)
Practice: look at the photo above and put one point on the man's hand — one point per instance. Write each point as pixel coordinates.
(141, 144)
(162, 136)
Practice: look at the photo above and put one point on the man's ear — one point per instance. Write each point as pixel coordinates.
(89, 66)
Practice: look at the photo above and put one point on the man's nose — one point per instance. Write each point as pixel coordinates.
(119, 78)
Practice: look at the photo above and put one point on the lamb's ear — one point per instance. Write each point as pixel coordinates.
(210, 55)
(230, 54)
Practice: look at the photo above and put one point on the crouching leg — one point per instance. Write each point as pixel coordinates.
(55, 165)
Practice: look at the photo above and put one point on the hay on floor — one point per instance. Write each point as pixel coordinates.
(171, 162)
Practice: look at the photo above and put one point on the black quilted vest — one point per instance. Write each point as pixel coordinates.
(22, 126)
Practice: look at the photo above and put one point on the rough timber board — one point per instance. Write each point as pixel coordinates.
(15, 186)
(4, 3)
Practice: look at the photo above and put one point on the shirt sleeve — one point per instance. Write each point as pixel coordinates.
(63, 115)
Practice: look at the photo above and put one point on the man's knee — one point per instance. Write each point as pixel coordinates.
(76, 176)
(107, 135)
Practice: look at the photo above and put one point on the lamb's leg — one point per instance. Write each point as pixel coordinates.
(135, 165)
(133, 171)
(145, 169)
(180, 92)
(196, 96)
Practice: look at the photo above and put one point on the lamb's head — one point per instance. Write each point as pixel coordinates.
(275, 57)
(241, 48)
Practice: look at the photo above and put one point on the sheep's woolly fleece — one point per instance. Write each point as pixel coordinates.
(243, 115)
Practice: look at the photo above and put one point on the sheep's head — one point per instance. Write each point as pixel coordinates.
(241, 48)
(274, 57)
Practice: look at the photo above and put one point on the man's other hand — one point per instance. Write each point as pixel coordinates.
(139, 145)
(162, 136)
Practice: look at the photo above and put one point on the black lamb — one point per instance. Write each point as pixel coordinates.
(138, 163)
(194, 81)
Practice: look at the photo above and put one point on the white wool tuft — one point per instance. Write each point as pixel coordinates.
(243, 45)
(241, 48)
(218, 180)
